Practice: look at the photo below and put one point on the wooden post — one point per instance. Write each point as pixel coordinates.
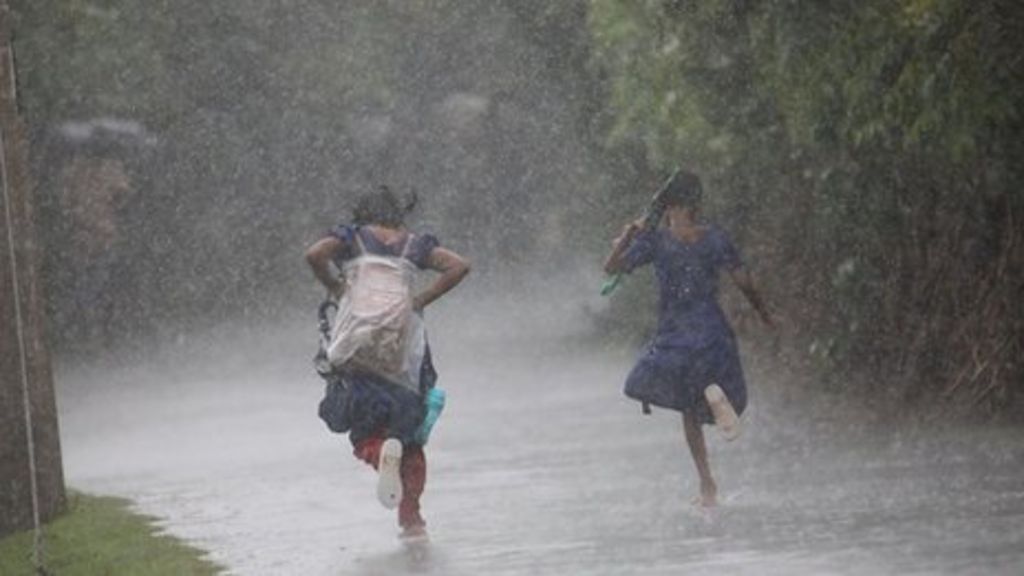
(24, 356)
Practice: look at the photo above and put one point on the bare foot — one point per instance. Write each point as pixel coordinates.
(708, 495)
(726, 420)
(414, 534)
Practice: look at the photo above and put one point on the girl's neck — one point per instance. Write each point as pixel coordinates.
(386, 229)
(683, 225)
(386, 234)
(682, 219)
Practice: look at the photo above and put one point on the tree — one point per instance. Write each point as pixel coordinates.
(866, 152)
(30, 460)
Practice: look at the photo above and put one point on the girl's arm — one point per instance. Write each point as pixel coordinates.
(453, 269)
(319, 257)
(615, 263)
(745, 283)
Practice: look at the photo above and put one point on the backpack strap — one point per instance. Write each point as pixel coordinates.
(359, 241)
(408, 246)
(361, 245)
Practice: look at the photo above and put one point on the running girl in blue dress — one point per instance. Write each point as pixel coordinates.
(692, 364)
(380, 415)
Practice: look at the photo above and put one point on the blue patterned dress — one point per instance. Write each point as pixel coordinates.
(694, 345)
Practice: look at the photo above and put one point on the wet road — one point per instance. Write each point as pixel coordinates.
(539, 466)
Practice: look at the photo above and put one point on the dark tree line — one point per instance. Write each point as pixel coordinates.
(866, 154)
(870, 152)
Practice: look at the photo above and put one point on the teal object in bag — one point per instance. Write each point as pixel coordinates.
(434, 403)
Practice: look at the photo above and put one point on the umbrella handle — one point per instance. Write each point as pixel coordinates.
(611, 284)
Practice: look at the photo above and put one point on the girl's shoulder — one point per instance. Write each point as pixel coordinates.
(343, 231)
(420, 247)
(418, 237)
(346, 234)
(716, 234)
(721, 245)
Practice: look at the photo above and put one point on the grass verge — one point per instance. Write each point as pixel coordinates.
(100, 536)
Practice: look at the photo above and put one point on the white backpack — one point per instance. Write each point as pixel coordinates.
(376, 329)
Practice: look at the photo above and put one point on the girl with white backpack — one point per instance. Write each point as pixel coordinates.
(377, 352)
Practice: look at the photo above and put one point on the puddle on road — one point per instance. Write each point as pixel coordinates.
(519, 485)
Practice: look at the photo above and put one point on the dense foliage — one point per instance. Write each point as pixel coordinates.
(869, 152)
(865, 154)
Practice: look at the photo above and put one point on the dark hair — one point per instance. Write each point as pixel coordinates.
(684, 190)
(382, 207)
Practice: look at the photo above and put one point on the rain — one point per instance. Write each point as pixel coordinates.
(168, 169)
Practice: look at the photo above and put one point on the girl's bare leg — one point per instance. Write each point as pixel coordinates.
(699, 451)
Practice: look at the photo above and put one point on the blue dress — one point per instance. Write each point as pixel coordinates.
(694, 345)
(369, 405)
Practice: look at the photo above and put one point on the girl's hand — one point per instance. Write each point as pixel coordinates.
(629, 231)
(335, 290)
(613, 265)
(632, 228)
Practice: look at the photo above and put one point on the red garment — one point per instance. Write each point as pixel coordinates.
(414, 477)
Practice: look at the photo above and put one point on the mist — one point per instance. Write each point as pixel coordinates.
(186, 155)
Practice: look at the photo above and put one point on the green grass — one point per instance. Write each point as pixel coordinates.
(100, 536)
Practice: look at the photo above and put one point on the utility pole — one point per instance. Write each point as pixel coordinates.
(31, 473)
